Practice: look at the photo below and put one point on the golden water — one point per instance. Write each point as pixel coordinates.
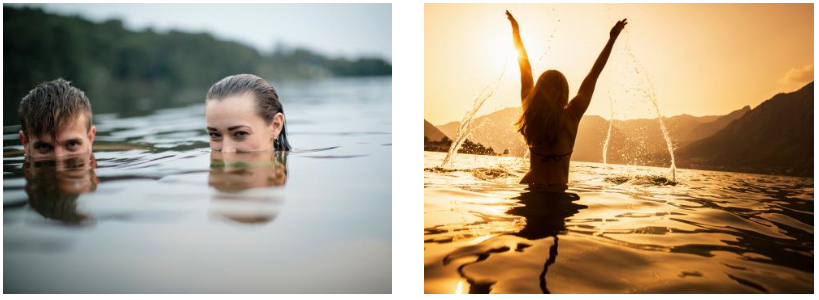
(711, 232)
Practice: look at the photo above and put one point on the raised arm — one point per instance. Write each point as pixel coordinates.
(526, 81)
(580, 103)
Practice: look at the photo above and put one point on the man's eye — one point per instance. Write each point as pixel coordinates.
(42, 147)
(73, 144)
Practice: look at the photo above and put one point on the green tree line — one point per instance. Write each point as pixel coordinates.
(129, 71)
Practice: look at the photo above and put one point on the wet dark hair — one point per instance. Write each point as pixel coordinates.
(52, 105)
(267, 100)
(544, 108)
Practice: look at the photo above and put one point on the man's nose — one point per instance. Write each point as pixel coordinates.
(59, 152)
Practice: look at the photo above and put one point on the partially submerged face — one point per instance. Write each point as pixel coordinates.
(234, 125)
(74, 138)
(55, 121)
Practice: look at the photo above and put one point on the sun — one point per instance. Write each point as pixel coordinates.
(502, 48)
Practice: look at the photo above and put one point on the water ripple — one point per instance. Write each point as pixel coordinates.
(711, 232)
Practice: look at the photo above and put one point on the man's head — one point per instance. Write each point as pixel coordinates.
(56, 121)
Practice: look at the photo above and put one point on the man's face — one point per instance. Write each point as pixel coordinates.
(74, 138)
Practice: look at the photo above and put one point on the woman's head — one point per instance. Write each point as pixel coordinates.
(543, 108)
(243, 113)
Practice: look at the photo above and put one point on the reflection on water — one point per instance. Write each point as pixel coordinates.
(53, 186)
(154, 210)
(234, 175)
(236, 172)
(712, 232)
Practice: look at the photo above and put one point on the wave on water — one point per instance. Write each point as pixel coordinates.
(311, 150)
(641, 179)
(617, 229)
(499, 172)
(487, 174)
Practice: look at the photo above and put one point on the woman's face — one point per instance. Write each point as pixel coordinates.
(234, 125)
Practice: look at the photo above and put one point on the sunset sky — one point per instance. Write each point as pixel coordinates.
(696, 59)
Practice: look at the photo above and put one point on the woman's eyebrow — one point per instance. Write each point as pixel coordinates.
(231, 128)
(236, 127)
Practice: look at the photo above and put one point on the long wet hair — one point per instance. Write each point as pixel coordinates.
(544, 109)
(267, 100)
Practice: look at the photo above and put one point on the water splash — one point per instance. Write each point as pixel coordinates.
(464, 129)
(551, 15)
(641, 179)
(487, 174)
(649, 93)
(608, 134)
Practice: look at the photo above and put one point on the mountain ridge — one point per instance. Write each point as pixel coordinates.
(785, 120)
(775, 137)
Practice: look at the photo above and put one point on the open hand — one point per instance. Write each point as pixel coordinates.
(512, 19)
(615, 31)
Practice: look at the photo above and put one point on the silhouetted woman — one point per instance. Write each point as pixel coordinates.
(549, 121)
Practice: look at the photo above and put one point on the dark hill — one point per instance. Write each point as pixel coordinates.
(776, 137)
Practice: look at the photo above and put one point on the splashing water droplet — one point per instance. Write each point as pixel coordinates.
(650, 94)
(464, 129)
(608, 135)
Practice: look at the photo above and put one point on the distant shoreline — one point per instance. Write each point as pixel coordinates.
(654, 166)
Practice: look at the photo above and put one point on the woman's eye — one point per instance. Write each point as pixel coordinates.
(215, 136)
(240, 134)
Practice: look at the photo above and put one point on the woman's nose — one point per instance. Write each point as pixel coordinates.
(228, 146)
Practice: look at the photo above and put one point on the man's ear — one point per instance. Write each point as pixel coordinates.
(92, 133)
(24, 140)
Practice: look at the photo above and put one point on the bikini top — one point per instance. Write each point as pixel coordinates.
(545, 157)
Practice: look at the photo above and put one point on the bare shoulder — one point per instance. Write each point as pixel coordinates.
(573, 113)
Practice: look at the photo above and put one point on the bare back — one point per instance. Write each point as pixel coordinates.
(549, 163)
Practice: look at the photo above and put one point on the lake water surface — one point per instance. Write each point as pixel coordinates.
(618, 229)
(155, 211)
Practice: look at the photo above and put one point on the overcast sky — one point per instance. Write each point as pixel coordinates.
(337, 29)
